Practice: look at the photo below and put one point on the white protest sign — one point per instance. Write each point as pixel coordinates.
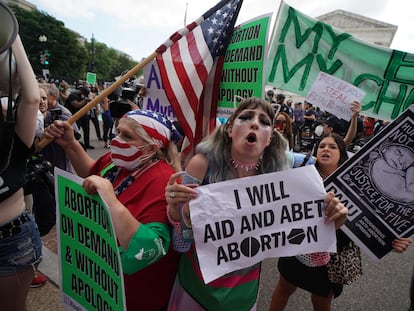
(334, 95)
(240, 222)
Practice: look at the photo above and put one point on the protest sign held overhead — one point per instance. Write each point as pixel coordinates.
(238, 223)
(301, 47)
(334, 95)
(89, 263)
(377, 186)
(242, 73)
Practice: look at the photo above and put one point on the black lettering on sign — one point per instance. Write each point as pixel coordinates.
(299, 211)
(222, 229)
(257, 221)
(97, 274)
(87, 292)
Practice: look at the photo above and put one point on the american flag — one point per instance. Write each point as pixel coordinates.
(190, 65)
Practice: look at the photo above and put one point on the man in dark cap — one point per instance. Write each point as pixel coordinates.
(309, 116)
(270, 96)
(280, 99)
(74, 103)
(332, 125)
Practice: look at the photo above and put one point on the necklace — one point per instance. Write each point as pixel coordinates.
(246, 166)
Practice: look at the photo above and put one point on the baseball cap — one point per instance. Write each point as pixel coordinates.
(332, 122)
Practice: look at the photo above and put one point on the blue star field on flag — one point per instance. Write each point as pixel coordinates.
(214, 28)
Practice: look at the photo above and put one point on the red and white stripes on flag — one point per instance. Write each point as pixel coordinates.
(190, 65)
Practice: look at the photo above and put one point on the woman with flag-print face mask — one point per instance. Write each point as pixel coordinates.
(130, 180)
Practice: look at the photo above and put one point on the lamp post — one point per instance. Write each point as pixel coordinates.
(92, 65)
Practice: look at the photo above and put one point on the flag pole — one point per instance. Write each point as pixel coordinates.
(45, 141)
(185, 14)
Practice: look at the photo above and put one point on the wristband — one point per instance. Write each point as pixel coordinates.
(176, 224)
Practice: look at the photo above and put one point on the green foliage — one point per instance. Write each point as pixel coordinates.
(108, 62)
(69, 55)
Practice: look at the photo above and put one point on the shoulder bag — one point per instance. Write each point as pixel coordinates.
(345, 266)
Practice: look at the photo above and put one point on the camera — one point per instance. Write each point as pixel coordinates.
(119, 98)
(56, 114)
(39, 170)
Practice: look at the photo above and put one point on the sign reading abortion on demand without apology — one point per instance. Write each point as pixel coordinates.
(377, 186)
(89, 263)
(242, 73)
(240, 222)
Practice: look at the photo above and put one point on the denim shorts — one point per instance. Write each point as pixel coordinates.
(21, 250)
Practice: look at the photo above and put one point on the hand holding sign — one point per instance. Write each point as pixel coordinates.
(264, 216)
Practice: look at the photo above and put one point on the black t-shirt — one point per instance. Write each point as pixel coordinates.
(286, 109)
(73, 97)
(309, 112)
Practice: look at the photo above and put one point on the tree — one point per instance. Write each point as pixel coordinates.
(69, 54)
(108, 62)
(66, 53)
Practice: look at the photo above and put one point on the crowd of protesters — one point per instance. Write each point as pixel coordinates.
(308, 123)
(256, 139)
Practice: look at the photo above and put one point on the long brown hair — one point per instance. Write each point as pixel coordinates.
(343, 154)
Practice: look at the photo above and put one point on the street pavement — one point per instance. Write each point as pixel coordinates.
(384, 285)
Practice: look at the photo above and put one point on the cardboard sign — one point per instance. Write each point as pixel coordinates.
(334, 95)
(377, 186)
(91, 78)
(89, 263)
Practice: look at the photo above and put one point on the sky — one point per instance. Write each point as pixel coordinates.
(138, 27)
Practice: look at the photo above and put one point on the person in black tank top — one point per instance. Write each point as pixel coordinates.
(17, 226)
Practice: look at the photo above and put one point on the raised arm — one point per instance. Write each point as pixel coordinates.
(29, 95)
(352, 130)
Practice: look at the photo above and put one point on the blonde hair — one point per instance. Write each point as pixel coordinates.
(170, 155)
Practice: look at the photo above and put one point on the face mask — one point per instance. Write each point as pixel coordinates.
(319, 130)
(279, 125)
(127, 156)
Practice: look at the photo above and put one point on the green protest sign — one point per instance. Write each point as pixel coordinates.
(91, 78)
(89, 262)
(242, 73)
(301, 47)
